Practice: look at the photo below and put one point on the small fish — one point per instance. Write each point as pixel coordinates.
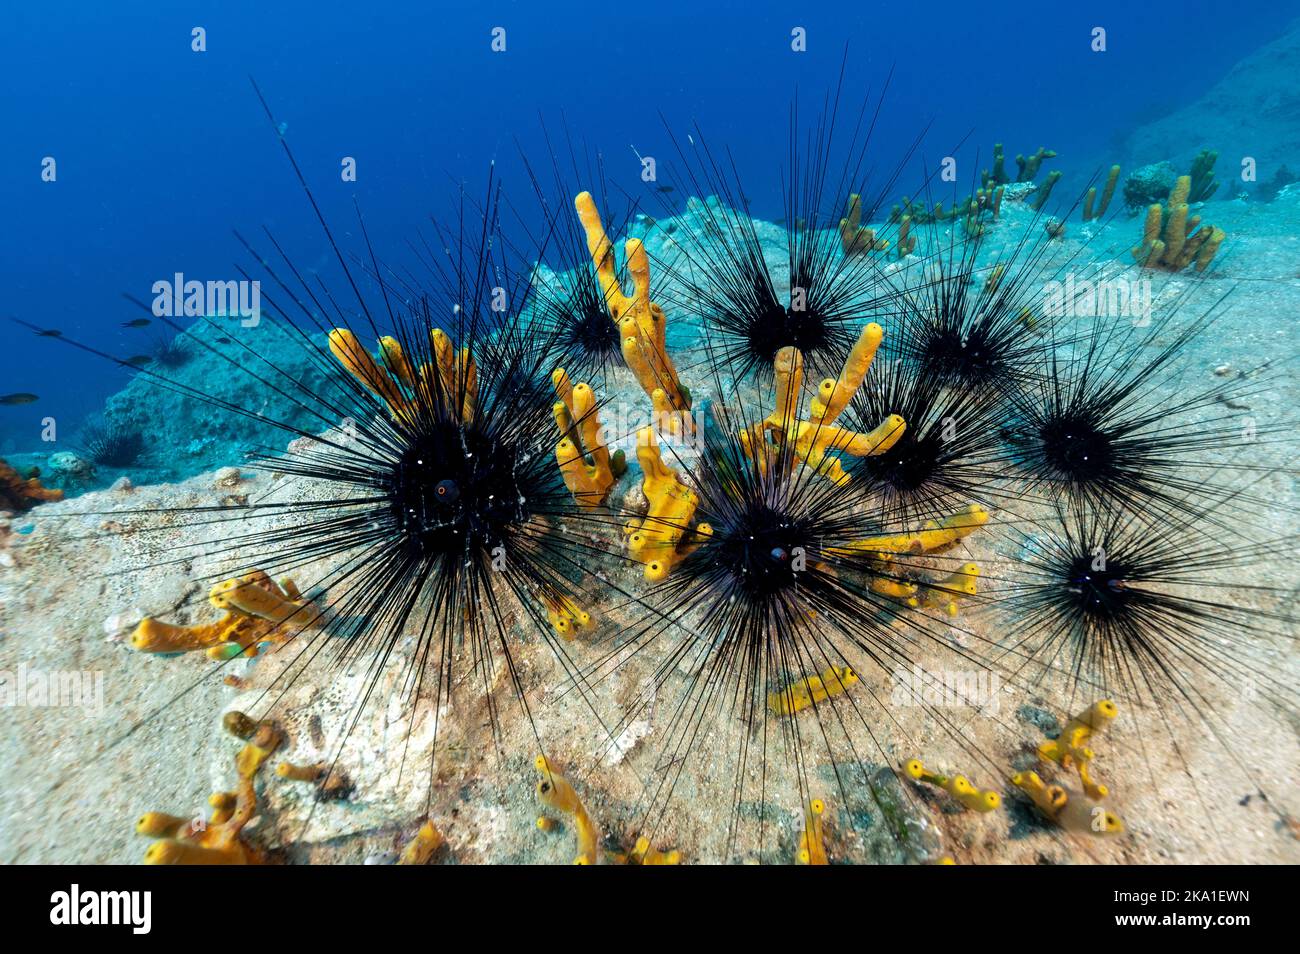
(666, 189)
(20, 398)
(137, 323)
(223, 341)
(50, 333)
(138, 361)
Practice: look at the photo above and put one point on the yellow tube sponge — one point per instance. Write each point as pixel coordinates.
(350, 353)
(958, 786)
(216, 841)
(257, 611)
(812, 841)
(643, 853)
(660, 539)
(588, 469)
(641, 322)
(1072, 814)
(565, 615)
(906, 240)
(945, 593)
(1172, 239)
(450, 382)
(854, 239)
(555, 792)
(783, 436)
(936, 537)
(1070, 749)
(811, 690)
(834, 394)
(1090, 213)
(395, 362)
(1050, 799)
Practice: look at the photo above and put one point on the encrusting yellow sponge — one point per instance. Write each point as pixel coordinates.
(257, 610)
(958, 786)
(554, 791)
(811, 690)
(812, 842)
(641, 322)
(422, 847)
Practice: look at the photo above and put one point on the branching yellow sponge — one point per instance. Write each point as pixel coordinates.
(588, 468)
(1070, 750)
(217, 841)
(423, 846)
(1070, 813)
(555, 792)
(812, 690)
(784, 438)
(257, 610)
(1174, 239)
(854, 239)
(664, 536)
(641, 322)
(958, 786)
(812, 842)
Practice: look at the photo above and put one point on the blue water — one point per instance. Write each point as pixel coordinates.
(162, 151)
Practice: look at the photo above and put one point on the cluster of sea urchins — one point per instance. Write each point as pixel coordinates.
(811, 539)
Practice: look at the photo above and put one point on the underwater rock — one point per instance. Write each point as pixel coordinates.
(1149, 185)
(69, 471)
(184, 435)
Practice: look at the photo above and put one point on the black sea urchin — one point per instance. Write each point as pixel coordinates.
(1176, 624)
(1112, 423)
(428, 522)
(570, 307)
(108, 442)
(777, 602)
(723, 273)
